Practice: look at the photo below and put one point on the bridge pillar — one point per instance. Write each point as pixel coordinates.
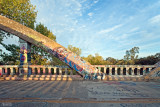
(25, 58)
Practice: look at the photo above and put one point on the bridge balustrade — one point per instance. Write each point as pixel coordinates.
(125, 70)
(12, 70)
(111, 70)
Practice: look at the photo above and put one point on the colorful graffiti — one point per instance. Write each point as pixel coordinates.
(73, 60)
(23, 53)
(0, 72)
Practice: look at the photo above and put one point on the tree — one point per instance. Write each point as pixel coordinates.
(149, 60)
(74, 50)
(111, 61)
(41, 57)
(13, 57)
(131, 56)
(21, 11)
(44, 30)
(94, 60)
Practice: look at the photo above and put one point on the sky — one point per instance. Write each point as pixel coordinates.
(106, 27)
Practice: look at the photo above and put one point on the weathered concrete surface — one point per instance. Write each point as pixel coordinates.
(79, 93)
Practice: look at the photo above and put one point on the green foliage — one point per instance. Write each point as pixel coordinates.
(56, 61)
(44, 30)
(21, 11)
(74, 50)
(131, 56)
(13, 57)
(111, 61)
(38, 60)
(40, 57)
(94, 60)
(149, 60)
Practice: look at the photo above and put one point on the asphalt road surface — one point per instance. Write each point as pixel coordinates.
(79, 93)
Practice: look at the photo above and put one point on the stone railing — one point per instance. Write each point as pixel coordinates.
(125, 70)
(49, 72)
(114, 70)
(36, 70)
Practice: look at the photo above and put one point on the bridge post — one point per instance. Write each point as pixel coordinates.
(25, 58)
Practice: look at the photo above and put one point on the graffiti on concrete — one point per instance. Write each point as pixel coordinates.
(0, 71)
(23, 53)
(140, 105)
(121, 83)
(71, 59)
(157, 64)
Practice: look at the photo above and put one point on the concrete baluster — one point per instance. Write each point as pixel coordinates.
(110, 70)
(38, 71)
(49, 71)
(44, 69)
(60, 71)
(133, 71)
(55, 71)
(138, 71)
(116, 70)
(11, 71)
(6, 71)
(66, 72)
(127, 71)
(105, 70)
(33, 71)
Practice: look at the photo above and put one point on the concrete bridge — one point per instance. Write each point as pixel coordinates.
(35, 72)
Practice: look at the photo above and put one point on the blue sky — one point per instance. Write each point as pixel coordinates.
(107, 27)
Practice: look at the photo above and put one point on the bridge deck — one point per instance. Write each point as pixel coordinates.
(63, 93)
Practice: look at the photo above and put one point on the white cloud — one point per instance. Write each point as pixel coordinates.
(110, 29)
(155, 19)
(90, 14)
(67, 20)
(96, 1)
(134, 29)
